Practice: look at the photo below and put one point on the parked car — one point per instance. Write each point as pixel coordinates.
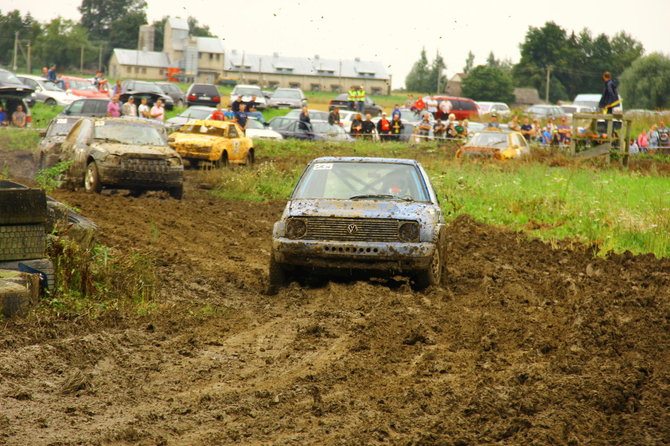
(143, 89)
(317, 130)
(203, 94)
(86, 107)
(342, 101)
(83, 88)
(52, 139)
(287, 98)
(220, 142)
(195, 112)
(123, 153)
(569, 110)
(257, 130)
(171, 89)
(247, 91)
(313, 114)
(542, 111)
(495, 144)
(500, 108)
(46, 92)
(373, 215)
(462, 108)
(13, 93)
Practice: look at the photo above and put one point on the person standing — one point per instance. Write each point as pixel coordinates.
(396, 127)
(143, 109)
(610, 97)
(384, 128)
(431, 105)
(99, 81)
(218, 115)
(653, 139)
(157, 111)
(356, 126)
(19, 117)
(444, 108)
(643, 141)
(251, 104)
(229, 114)
(334, 116)
(114, 108)
(424, 128)
(116, 89)
(361, 99)
(409, 103)
(663, 135)
(368, 127)
(236, 104)
(305, 123)
(396, 111)
(52, 74)
(242, 117)
(352, 98)
(419, 106)
(129, 108)
(527, 129)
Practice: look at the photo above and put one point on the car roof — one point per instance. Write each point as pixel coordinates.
(211, 123)
(363, 159)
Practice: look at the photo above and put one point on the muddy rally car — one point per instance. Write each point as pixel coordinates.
(219, 142)
(122, 153)
(371, 215)
(495, 144)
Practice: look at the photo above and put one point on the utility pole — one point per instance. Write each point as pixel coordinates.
(546, 92)
(81, 60)
(100, 57)
(16, 50)
(29, 64)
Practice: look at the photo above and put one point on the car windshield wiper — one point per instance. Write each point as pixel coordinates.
(394, 197)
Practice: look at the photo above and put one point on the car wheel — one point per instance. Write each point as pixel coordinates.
(250, 158)
(277, 276)
(51, 102)
(431, 276)
(177, 192)
(223, 161)
(92, 179)
(194, 163)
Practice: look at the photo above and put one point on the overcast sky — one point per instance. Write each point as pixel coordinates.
(394, 32)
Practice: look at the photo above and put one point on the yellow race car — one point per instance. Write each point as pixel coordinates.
(495, 144)
(220, 142)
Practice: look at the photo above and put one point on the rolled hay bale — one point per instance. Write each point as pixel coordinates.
(18, 291)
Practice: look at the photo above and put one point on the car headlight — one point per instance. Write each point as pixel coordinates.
(295, 228)
(113, 160)
(409, 232)
(174, 161)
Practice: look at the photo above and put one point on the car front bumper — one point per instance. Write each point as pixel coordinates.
(146, 177)
(377, 256)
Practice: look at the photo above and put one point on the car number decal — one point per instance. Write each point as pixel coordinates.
(323, 166)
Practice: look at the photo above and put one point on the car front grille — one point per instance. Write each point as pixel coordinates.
(144, 169)
(352, 229)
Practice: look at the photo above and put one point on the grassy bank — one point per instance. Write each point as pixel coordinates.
(614, 209)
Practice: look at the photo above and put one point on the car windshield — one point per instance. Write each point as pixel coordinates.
(61, 126)
(50, 86)
(129, 133)
(9, 78)
(81, 85)
(246, 91)
(488, 139)
(254, 124)
(196, 113)
(361, 180)
(286, 94)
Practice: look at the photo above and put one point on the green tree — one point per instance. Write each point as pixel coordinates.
(195, 29)
(11, 23)
(436, 76)
(486, 83)
(646, 83)
(124, 32)
(97, 16)
(418, 77)
(469, 62)
(61, 43)
(159, 26)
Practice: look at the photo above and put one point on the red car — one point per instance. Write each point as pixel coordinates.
(463, 108)
(83, 87)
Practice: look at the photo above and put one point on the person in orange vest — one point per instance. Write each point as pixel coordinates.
(384, 128)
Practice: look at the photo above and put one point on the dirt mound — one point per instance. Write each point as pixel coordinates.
(526, 344)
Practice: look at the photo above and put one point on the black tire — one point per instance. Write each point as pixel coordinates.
(277, 277)
(194, 163)
(433, 275)
(50, 102)
(92, 182)
(177, 192)
(20, 205)
(251, 159)
(223, 161)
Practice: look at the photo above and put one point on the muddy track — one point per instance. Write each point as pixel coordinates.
(526, 344)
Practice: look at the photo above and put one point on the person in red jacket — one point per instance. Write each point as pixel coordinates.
(419, 106)
(218, 115)
(384, 128)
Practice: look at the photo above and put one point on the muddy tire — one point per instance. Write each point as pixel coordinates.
(20, 242)
(433, 275)
(177, 192)
(250, 158)
(223, 161)
(20, 205)
(92, 182)
(277, 277)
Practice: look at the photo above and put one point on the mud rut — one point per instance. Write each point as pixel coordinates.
(526, 344)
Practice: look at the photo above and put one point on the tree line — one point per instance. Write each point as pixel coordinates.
(564, 65)
(87, 43)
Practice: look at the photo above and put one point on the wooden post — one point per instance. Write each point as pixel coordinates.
(29, 64)
(546, 92)
(81, 60)
(16, 50)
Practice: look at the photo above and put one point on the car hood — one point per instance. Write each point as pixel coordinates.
(397, 209)
(141, 151)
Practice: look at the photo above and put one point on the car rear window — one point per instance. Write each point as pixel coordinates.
(210, 90)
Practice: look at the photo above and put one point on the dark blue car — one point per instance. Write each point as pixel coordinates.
(354, 214)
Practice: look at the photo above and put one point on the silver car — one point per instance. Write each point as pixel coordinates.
(287, 98)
